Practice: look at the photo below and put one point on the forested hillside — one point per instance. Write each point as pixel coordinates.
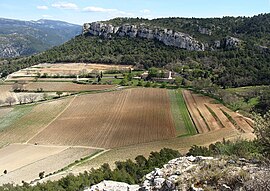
(248, 64)
(23, 38)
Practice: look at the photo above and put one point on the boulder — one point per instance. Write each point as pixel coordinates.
(113, 186)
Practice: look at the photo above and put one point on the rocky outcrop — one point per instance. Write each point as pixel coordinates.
(198, 174)
(228, 43)
(167, 36)
(231, 43)
(205, 31)
(206, 173)
(107, 185)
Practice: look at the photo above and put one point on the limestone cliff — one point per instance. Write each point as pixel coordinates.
(166, 36)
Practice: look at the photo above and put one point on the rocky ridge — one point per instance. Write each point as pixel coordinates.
(198, 174)
(166, 36)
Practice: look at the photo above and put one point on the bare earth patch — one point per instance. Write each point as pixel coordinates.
(64, 69)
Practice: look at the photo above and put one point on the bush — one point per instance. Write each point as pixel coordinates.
(163, 85)
(262, 130)
(148, 84)
(240, 148)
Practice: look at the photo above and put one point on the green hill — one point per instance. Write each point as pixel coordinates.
(248, 64)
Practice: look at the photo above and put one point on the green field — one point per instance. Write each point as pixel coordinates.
(14, 115)
(183, 122)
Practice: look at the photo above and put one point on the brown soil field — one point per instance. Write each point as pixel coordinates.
(200, 106)
(245, 125)
(13, 79)
(65, 69)
(112, 119)
(64, 86)
(25, 162)
(75, 68)
(23, 128)
(194, 112)
(209, 118)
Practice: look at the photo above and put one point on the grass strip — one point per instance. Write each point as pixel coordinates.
(177, 117)
(185, 115)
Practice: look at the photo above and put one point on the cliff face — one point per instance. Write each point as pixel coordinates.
(166, 36)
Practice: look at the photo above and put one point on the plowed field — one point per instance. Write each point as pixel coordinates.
(24, 162)
(208, 116)
(112, 119)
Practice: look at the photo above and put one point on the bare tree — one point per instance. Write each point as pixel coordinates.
(45, 96)
(25, 99)
(32, 97)
(59, 93)
(10, 100)
(20, 99)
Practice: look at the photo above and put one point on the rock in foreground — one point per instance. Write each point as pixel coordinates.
(199, 173)
(107, 185)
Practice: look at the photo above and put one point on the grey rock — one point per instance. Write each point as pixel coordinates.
(158, 172)
(158, 182)
(232, 43)
(225, 187)
(231, 161)
(193, 188)
(166, 36)
(205, 31)
(113, 186)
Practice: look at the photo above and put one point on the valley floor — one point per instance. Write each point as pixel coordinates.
(80, 132)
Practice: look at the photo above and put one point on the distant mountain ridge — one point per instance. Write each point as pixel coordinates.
(23, 38)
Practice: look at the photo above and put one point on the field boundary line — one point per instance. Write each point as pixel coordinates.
(52, 120)
(89, 159)
(70, 169)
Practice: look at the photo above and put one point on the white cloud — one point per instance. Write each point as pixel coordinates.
(42, 7)
(64, 5)
(111, 12)
(99, 9)
(145, 11)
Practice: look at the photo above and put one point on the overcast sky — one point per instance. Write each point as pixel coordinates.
(81, 11)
